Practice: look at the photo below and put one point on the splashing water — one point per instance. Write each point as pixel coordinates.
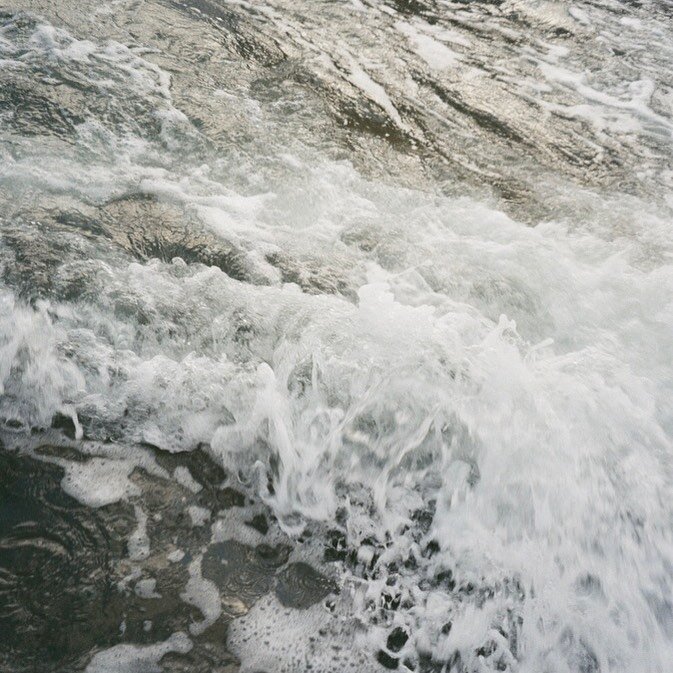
(422, 319)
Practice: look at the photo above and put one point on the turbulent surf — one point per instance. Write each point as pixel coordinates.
(336, 336)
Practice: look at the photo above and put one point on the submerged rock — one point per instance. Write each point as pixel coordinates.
(149, 228)
(299, 586)
(241, 572)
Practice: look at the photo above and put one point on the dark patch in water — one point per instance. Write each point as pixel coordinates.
(31, 113)
(391, 663)
(241, 571)
(148, 228)
(37, 254)
(312, 277)
(299, 586)
(65, 424)
(397, 639)
(204, 657)
(415, 8)
(259, 523)
(242, 39)
(484, 119)
(57, 595)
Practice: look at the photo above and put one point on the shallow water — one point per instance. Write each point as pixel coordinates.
(336, 336)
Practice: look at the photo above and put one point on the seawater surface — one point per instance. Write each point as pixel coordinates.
(336, 336)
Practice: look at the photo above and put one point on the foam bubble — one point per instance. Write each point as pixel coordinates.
(295, 639)
(183, 476)
(202, 594)
(198, 515)
(139, 541)
(146, 588)
(137, 658)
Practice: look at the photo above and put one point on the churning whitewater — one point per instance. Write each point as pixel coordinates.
(336, 335)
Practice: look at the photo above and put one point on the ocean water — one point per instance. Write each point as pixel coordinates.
(336, 336)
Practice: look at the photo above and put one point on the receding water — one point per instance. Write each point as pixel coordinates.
(336, 336)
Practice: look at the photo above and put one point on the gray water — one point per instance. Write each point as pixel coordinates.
(336, 335)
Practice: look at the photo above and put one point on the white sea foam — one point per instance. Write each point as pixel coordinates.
(436, 54)
(147, 588)
(176, 556)
(102, 476)
(198, 515)
(136, 658)
(139, 541)
(515, 378)
(202, 594)
(562, 408)
(290, 643)
(184, 477)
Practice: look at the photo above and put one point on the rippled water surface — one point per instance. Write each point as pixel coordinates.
(336, 336)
